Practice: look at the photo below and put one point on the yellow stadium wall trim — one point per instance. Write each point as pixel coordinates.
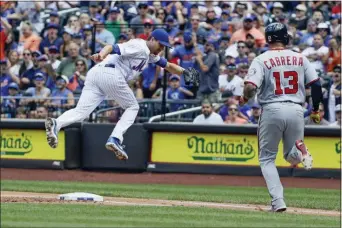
(230, 149)
(30, 144)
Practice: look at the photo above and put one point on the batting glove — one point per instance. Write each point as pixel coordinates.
(315, 117)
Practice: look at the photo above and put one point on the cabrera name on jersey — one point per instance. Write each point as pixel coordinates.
(281, 75)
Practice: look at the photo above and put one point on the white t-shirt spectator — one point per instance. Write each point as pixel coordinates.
(55, 64)
(320, 51)
(235, 86)
(214, 118)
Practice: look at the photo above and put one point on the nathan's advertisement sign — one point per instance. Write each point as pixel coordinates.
(30, 144)
(228, 149)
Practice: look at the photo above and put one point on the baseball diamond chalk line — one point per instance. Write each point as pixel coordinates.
(31, 197)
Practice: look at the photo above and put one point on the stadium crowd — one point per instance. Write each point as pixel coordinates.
(45, 48)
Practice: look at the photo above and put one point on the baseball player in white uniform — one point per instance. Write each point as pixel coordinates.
(279, 77)
(117, 64)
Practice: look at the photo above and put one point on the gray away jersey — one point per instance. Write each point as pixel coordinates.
(281, 75)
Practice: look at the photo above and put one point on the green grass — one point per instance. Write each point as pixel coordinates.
(295, 197)
(67, 215)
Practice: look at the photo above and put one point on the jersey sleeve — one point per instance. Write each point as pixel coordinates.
(238, 90)
(132, 48)
(255, 74)
(310, 73)
(160, 61)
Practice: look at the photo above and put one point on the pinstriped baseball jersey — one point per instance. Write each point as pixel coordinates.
(134, 57)
(281, 75)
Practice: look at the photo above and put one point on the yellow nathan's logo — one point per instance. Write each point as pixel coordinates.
(15, 144)
(221, 149)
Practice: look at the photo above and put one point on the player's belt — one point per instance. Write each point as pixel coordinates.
(108, 65)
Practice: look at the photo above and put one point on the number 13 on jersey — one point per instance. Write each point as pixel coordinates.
(291, 77)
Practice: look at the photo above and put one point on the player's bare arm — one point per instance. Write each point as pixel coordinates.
(249, 91)
(174, 69)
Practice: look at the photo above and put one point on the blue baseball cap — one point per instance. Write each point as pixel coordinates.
(213, 42)
(187, 36)
(53, 48)
(256, 105)
(13, 85)
(114, 10)
(38, 53)
(53, 14)
(170, 18)
(162, 37)
(174, 77)
(43, 58)
(39, 76)
(51, 25)
(123, 36)
(249, 18)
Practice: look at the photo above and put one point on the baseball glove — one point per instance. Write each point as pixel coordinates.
(315, 117)
(191, 76)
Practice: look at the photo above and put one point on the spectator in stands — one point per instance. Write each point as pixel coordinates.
(277, 10)
(210, 70)
(53, 57)
(114, 23)
(308, 120)
(48, 70)
(224, 43)
(150, 79)
(233, 117)
(84, 20)
(160, 16)
(335, 24)
(318, 54)
(177, 92)
(103, 36)
(11, 44)
(67, 40)
(30, 10)
(308, 36)
(67, 66)
(337, 123)
(61, 98)
(94, 11)
(242, 49)
(250, 44)
(195, 26)
(334, 53)
(300, 20)
(148, 28)
(76, 82)
(77, 38)
(26, 79)
(248, 29)
(334, 92)
(14, 61)
(51, 39)
(41, 113)
(256, 112)
(208, 116)
(138, 20)
(186, 55)
(229, 83)
(171, 26)
(73, 24)
(10, 104)
(39, 90)
(28, 39)
(54, 17)
(251, 56)
(5, 29)
(324, 31)
(5, 78)
(317, 16)
(242, 70)
(27, 62)
(21, 113)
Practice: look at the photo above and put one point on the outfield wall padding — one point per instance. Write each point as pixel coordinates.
(96, 156)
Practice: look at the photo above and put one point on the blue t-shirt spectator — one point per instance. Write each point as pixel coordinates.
(5, 80)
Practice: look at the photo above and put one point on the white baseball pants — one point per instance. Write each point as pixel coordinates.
(101, 82)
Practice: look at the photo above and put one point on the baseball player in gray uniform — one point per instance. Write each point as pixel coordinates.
(279, 77)
(117, 64)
